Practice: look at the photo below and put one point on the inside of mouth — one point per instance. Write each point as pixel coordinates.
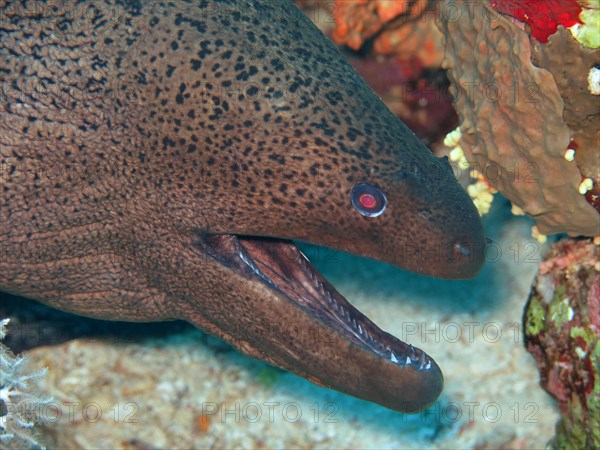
(282, 267)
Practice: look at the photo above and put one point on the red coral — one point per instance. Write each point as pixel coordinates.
(543, 16)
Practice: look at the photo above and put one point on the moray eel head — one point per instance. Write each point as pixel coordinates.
(413, 215)
(325, 162)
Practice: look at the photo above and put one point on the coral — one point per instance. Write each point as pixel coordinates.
(587, 32)
(562, 332)
(20, 407)
(402, 28)
(594, 80)
(511, 119)
(543, 16)
(480, 190)
(570, 65)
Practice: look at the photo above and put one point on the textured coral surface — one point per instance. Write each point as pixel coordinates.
(562, 328)
(570, 63)
(512, 119)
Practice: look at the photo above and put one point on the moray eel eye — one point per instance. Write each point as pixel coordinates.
(368, 200)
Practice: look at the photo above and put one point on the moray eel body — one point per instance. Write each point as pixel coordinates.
(158, 159)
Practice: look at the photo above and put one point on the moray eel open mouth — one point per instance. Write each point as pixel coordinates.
(281, 267)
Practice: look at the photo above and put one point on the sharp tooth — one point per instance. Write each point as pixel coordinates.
(360, 329)
(428, 365)
(303, 255)
(408, 360)
(394, 359)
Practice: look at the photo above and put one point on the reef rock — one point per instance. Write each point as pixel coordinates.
(562, 331)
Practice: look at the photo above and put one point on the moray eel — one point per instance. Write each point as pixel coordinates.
(158, 159)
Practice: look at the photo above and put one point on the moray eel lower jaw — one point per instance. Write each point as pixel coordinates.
(305, 326)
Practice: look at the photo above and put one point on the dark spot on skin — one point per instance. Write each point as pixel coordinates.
(277, 65)
(277, 158)
(133, 7)
(333, 97)
(196, 64)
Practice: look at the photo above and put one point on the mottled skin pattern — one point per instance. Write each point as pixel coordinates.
(127, 128)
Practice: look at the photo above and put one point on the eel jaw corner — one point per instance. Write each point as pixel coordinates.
(385, 370)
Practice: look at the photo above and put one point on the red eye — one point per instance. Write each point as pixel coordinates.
(368, 200)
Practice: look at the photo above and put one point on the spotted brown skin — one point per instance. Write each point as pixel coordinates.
(158, 157)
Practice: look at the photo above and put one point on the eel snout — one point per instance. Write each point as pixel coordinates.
(333, 344)
(429, 224)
